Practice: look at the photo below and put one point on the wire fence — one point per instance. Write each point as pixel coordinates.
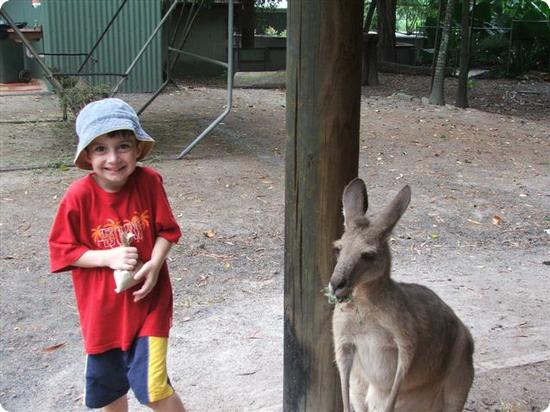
(522, 47)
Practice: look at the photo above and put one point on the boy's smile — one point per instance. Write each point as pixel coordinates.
(113, 158)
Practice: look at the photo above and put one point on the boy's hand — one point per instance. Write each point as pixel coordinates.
(150, 272)
(122, 258)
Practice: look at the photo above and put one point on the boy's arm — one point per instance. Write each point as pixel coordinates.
(118, 258)
(150, 270)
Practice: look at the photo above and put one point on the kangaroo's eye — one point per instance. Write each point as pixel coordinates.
(367, 255)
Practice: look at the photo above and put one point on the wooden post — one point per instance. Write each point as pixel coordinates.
(323, 112)
(369, 74)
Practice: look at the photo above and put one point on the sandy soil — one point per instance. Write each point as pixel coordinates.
(477, 232)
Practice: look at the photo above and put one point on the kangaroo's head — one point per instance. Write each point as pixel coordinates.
(363, 251)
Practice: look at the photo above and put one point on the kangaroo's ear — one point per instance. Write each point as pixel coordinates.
(388, 218)
(354, 200)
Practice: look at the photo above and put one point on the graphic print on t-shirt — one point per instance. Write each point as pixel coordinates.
(107, 235)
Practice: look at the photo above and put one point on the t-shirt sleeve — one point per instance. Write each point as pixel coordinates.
(63, 243)
(167, 226)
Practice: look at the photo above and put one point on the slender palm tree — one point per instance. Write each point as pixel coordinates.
(462, 91)
(437, 95)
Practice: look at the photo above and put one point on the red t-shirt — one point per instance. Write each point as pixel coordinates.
(90, 218)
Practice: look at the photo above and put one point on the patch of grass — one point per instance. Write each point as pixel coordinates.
(78, 94)
(62, 165)
(332, 299)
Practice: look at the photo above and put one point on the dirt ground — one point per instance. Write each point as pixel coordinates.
(477, 232)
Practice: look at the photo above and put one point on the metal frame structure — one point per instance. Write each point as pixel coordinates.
(230, 73)
(193, 12)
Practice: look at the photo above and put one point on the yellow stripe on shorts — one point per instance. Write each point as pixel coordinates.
(157, 375)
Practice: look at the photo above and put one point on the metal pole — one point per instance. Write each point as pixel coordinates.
(198, 56)
(102, 35)
(229, 83)
(149, 40)
(154, 96)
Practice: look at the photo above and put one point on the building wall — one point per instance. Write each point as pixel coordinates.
(74, 27)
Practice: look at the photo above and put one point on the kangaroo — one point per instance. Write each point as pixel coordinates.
(398, 346)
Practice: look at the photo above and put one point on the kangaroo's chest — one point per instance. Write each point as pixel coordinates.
(375, 348)
(376, 352)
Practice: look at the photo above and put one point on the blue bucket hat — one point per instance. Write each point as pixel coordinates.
(104, 116)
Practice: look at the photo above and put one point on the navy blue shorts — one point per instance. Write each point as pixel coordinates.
(109, 375)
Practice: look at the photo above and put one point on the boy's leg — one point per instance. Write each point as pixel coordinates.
(120, 405)
(148, 374)
(106, 381)
(171, 404)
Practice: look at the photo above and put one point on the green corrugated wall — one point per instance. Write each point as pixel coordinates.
(73, 26)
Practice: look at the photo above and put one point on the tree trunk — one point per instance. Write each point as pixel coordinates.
(437, 41)
(370, 15)
(248, 24)
(369, 74)
(462, 91)
(322, 156)
(386, 29)
(437, 95)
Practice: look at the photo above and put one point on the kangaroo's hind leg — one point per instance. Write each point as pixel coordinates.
(460, 373)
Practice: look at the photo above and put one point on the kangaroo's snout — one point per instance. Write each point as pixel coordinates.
(339, 287)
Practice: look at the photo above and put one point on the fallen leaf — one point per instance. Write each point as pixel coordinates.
(203, 281)
(497, 220)
(24, 227)
(53, 348)
(210, 233)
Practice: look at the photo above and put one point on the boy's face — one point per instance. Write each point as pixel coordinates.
(113, 158)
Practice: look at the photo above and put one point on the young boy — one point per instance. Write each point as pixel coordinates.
(125, 334)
